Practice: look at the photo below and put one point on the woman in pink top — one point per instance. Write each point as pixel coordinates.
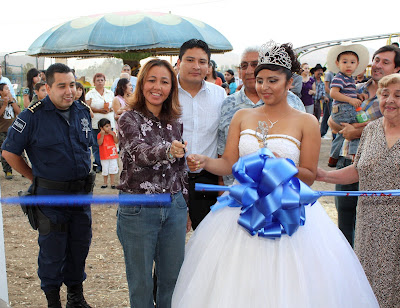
(122, 91)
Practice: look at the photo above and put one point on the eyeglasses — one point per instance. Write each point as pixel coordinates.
(245, 65)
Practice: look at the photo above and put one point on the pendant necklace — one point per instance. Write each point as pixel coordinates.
(273, 123)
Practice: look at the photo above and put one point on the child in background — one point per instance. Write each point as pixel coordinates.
(80, 92)
(230, 79)
(9, 110)
(80, 95)
(226, 87)
(40, 90)
(346, 61)
(108, 140)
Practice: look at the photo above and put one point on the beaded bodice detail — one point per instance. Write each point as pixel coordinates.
(284, 145)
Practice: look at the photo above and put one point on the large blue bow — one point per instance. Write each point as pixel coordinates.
(271, 198)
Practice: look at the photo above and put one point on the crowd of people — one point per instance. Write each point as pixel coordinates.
(171, 128)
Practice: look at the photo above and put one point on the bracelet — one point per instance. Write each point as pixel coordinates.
(170, 157)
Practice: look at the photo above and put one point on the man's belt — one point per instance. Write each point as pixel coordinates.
(199, 174)
(70, 186)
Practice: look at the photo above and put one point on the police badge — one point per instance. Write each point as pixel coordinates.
(85, 126)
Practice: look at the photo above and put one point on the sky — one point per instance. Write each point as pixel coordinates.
(243, 22)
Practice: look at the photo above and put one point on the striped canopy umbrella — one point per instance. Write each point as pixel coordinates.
(127, 35)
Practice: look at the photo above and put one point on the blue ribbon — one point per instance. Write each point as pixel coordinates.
(149, 200)
(271, 197)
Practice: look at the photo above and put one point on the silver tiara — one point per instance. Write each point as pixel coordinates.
(273, 53)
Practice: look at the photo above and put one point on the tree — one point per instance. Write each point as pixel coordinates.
(110, 67)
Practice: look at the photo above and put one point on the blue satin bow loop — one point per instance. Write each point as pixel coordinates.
(271, 197)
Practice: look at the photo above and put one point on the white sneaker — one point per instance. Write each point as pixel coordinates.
(325, 137)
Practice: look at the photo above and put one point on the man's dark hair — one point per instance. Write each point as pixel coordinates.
(194, 43)
(103, 122)
(56, 68)
(393, 48)
(39, 85)
(2, 86)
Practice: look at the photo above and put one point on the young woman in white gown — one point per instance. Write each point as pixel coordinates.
(226, 267)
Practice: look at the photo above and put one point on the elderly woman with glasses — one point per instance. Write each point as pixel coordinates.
(376, 167)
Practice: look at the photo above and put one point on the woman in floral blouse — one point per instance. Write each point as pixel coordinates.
(153, 160)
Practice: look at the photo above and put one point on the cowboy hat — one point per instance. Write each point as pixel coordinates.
(360, 50)
(317, 67)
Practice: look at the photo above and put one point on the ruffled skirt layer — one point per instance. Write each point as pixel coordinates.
(225, 267)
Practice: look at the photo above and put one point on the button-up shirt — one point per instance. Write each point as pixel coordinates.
(132, 79)
(97, 101)
(201, 117)
(370, 106)
(144, 142)
(58, 147)
(230, 105)
(319, 90)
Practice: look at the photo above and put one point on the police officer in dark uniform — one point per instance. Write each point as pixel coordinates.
(56, 134)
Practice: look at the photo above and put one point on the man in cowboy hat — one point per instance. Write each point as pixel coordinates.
(320, 94)
(385, 61)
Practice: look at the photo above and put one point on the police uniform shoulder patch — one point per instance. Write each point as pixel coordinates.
(35, 106)
(84, 104)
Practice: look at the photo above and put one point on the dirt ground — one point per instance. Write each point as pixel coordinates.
(106, 284)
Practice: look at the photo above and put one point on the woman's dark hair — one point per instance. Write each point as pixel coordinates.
(103, 122)
(33, 72)
(171, 109)
(121, 86)
(272, 67)
(233, 78)
(213, 70)
(80, 86)
(213, 73)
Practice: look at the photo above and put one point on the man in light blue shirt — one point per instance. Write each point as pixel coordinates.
(201, 107)
(7, 81)
(247, 97)
(125, 69)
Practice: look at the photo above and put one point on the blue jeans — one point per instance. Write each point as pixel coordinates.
(343, 113)
(327, 107)
(95, 149)
(346, 206)
(150, 234)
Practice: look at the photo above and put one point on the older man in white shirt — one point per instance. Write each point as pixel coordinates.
(126, 69)
(201, 104)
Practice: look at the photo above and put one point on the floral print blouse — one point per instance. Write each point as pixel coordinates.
(144, 142)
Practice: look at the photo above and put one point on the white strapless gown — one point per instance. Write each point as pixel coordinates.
(225, 267)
